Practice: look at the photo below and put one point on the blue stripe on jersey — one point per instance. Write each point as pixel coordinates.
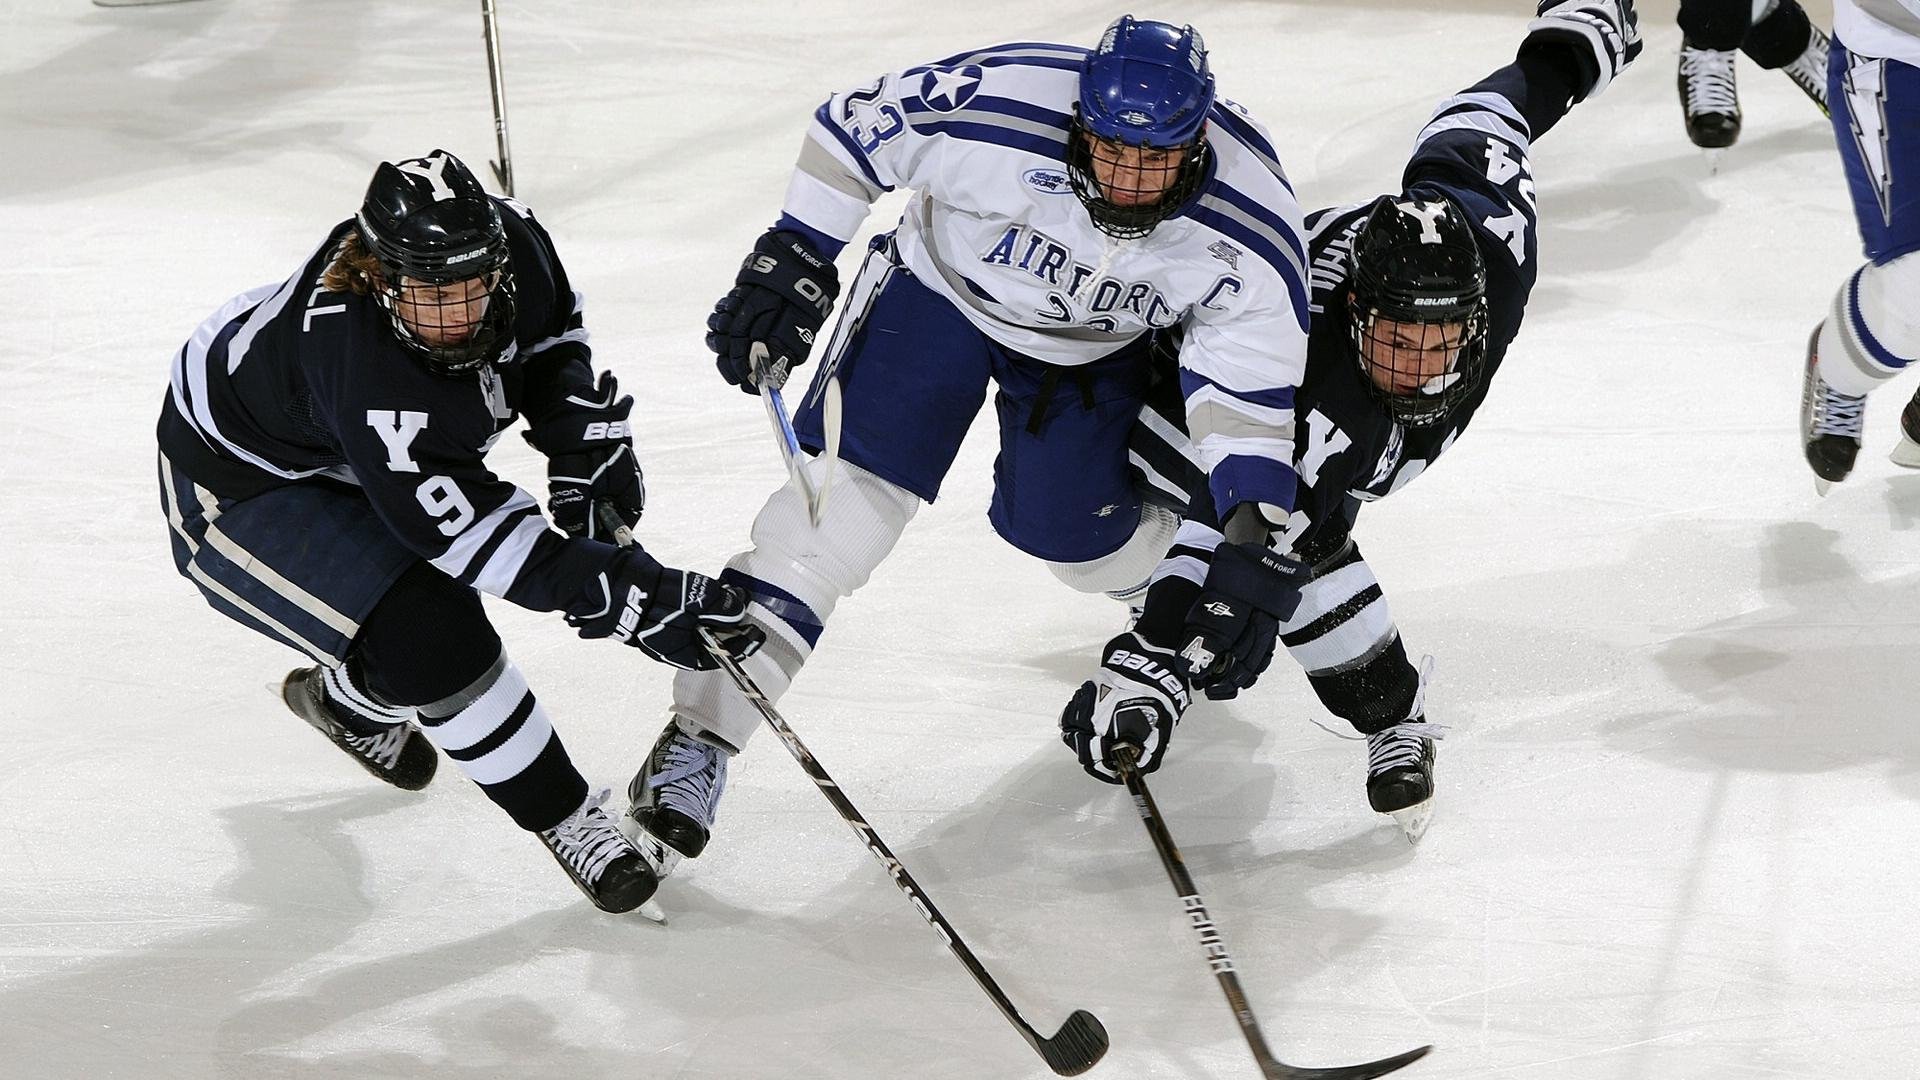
(1256, 242)
(1052, 149)
(1241, 479)
(1273, 397)
(1237, 126)
(825, 119)
(993, 55)
(1258, 211)
(789, 608)
(1013, 107)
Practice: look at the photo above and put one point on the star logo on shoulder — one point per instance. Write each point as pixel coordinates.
(948, 89)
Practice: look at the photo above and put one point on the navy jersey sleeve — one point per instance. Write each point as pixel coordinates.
(550, 332)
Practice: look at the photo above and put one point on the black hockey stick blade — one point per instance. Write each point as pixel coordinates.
(1274, 1070)
(1079, 1044)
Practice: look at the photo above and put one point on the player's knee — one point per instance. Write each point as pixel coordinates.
(428, 639)
(1372, 695)
(1129, 567)
(1889, 303)
(864, 518)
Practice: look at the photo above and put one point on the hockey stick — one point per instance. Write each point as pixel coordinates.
(1079, 1043)
(497, 76)
(1216, 949)
(770, 382)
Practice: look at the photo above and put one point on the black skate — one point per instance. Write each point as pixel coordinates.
(1907, 454)
(1400, 774)
(606, 866)
(1830, 423)
(1708, 98)
(1809, 70)
(398, 754)
(676, 796)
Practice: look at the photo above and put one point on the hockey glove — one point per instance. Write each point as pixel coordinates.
(1604, 33)
(1135, 700)
(781, 297)
(590, 462)
(1232, 628)
(661, 611)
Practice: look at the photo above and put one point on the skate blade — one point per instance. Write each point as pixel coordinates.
(1907, 454)
(651, 910)
(1713, 160)
(1821, 486)
(1413, 820)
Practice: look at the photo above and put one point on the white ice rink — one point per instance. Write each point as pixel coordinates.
(1675, 835)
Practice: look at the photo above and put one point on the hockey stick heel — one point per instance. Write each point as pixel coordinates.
(1215, 947)
(1079, 1044)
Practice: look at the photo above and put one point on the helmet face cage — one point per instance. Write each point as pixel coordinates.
(446, 280)
(1163, 179)
(1141, 119)
(1442, 368)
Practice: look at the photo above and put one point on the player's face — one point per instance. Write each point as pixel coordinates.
(445, 314)
(1404, 357)
(1133, 175)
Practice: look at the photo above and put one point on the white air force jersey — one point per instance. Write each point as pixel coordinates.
(1884, 28)
(981, 141)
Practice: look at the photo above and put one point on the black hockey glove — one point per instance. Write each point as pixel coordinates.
(1232, 628)
(781, 297)
(661, 611)
(1604, 33)
(590, 462)
(1135, 700)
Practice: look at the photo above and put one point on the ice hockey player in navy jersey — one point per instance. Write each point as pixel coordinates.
(1066, 202)
(1415, 298)
(322, 465)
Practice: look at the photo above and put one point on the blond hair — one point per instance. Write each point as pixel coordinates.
(353, 269)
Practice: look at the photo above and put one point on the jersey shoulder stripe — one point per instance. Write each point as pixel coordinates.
(1244, 132)
(823, 117)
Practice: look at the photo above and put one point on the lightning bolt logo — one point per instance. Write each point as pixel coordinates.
(1866, 90)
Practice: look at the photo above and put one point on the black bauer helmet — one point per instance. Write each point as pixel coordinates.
(1415, 262)
(429, 223)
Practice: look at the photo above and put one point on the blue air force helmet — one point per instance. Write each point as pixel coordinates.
(1146, 86)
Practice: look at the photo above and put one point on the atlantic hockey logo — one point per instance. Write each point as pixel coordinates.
(947, 90)
(1226, 253)
(1048, 181)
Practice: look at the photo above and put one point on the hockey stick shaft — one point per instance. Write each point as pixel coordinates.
(1215, 948)
(1080, 1042)
(497, 78)
(770, 381)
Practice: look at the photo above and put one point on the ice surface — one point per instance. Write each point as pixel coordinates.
(1677, 809)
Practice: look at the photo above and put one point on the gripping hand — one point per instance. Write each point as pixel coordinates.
(589, 447)
(1232, 628)
(780, 298)
(661, 611)
(1135, 699)
(1604, 33)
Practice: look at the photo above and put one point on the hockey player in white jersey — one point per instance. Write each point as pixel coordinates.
(1872, 330)
(1066, 202)
(1416, 297)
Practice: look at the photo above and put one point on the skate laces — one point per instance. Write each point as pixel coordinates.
(587, 840)
(689, 777)
(383, 749)
(1835, 413)
(1402, 743)
(1709, 75)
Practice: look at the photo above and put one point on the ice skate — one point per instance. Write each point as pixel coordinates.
(602, 862)
(1709, 100)
(1907, 454)
(675, 798)
(1400, 774)
(1830, 423)
(1809, 70)
(399, 754)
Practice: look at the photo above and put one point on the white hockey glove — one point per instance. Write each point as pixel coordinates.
(1604, 32)
(1136, 699)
